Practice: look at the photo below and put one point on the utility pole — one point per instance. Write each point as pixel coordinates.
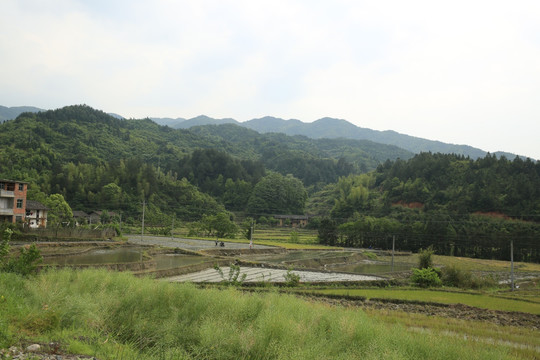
(251, 235)
(393, 249)
(172, 227)
(512, 263)
(143, 208)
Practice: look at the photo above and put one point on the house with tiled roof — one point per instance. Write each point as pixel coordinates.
(36, 214)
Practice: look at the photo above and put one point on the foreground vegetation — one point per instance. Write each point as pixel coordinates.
(117, 316)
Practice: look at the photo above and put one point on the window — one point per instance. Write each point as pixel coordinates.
(19, 203)
(21, 187)
(18, 218)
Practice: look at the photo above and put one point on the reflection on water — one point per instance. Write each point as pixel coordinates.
(123, 255)
(96, 257)
(371, 268)
(171, 261)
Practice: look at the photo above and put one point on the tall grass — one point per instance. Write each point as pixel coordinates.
(118, 316)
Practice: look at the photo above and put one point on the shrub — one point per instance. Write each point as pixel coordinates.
(25, 264)
(291, 279)
(425, 258)
(427, 277)
(295, 239)
(456, 277)
(234, 277)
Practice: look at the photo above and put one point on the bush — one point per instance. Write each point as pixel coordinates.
(425, 258)
(25, 264)
(294, 238)
(234, 278)
(428, 277)
(456, 277)
(291, 279)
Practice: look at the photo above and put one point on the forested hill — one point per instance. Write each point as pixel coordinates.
(91, 157)
(460, 206)
(337, 128)
(301, 155)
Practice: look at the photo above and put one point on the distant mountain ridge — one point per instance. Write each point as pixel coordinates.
(326, 127)
(181, 123)
(10, 113)
(332, 128)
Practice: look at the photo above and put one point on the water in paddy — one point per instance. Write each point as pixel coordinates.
(370, 268)
(120, 256)
(171, 261)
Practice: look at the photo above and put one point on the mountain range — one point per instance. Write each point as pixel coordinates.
(327, 127)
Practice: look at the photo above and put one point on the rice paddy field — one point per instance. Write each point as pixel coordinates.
(112, 315)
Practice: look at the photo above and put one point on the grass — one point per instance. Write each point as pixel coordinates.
(525, 342)
(117, 316)
(469, 263)
(476, 299)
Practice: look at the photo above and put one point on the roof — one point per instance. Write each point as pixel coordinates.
(98, 213)
(292, 217)
(35, 205)
(79, 214)
(13, 181)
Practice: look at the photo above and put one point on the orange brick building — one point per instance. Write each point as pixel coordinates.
(12, 200)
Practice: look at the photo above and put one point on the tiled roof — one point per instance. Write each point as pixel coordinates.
(35, 205)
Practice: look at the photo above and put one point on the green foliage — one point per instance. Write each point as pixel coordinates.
(221, 225)
(247, 227)
(294, 238)
(291, 279)
(425, 258)
(426, 277)
(456, 277)
(370, 255)
(328, 232)
(4, 245)
(27, 261)
(277, 194)
(234, 278)
(60, 213)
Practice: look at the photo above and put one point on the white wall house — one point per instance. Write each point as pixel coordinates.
(36, 214)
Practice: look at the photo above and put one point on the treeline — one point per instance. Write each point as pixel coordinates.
(476, 236)
(459, 184)
(461, 207)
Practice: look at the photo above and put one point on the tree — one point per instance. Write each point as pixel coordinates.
(60, 213)
(221, 224)
(328, 232)
(278, 194)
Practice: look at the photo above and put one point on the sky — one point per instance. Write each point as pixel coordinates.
(461, 72)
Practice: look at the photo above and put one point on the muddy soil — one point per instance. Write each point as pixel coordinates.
(455, 311)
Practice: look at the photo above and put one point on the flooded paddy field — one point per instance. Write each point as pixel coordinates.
(343, 261)
(176, 258)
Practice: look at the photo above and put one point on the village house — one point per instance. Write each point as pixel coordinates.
(12, 200)
(36, 214)
(292, 220)
(81, 218)
(96, 216)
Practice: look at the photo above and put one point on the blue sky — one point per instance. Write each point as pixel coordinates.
(463, 72)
